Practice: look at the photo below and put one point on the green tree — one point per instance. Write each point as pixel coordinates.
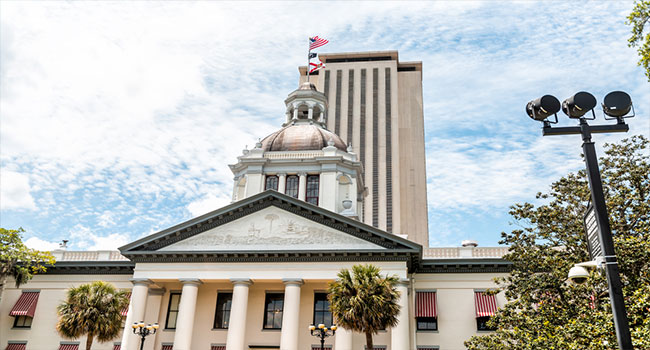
(94, 310)
(543, 310)
(364, 301)
(18, 261)
(638, 18)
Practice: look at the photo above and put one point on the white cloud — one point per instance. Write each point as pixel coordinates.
(123, 115)
(207, 204)
(82, 237)
(39, 244)
(15, 191)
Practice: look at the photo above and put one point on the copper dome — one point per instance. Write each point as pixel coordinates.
(301, 137)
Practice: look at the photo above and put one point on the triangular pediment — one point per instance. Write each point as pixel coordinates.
(271, 229)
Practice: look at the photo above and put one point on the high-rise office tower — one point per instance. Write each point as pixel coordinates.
(375, 104)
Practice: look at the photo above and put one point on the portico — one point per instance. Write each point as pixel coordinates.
(270, 290)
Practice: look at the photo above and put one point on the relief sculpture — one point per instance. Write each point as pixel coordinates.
(271, 229)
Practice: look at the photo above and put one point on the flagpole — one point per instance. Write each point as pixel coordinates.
(308, 58)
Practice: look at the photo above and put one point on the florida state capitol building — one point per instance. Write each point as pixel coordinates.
(342, 182)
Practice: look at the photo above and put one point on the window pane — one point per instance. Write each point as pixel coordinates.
(312, 189)
(273, 315)
(271, 182)
(222, 314)
(171, 319)
(322, 312)
(292, 186)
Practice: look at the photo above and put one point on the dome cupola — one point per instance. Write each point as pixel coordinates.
(303, 159)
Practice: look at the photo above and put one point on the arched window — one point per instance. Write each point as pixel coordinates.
(292, 186)
(271, 182)
(312, 189)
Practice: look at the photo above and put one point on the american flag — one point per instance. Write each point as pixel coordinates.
(315, 42)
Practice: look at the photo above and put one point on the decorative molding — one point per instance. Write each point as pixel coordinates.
(245, 281)
(297, 281)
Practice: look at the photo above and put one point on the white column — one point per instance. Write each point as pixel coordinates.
(237, 326)
(302, 186)
(186, 310)
(310, 113)
(400, 334)
(137, 307)
(343, 339)
(282, 183)
(290, 314)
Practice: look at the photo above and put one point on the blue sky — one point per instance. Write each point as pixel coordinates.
(118, 119)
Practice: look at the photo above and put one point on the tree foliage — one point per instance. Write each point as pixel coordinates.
(19, 261)
(543, 310)
(638, 19)
(94, 310)
(364, 301)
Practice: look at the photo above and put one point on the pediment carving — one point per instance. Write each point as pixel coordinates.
(271, 228)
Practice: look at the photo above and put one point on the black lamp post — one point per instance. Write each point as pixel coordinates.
(322, 332)
(143, 331)
(616, 106)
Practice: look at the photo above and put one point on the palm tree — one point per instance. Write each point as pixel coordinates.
(92, 309)
(364, 301)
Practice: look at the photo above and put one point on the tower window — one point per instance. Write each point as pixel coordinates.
(312, 189)
(271, 183)
(292, 186)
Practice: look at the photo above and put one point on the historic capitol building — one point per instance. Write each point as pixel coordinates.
(342, 182)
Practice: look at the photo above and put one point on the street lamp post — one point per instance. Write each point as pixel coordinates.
(616, 105)
(322, 332)
(143, 331)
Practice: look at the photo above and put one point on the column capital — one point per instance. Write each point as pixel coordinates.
(190, 281)
(296, 281)
(245, 281)
(302, 173)
(282, 174)
(141, 281)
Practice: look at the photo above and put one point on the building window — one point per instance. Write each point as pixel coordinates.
(312, 189)
(274, 306)
(481, 324)
(427, 323)
(426, 313)
(292, 186)
(271, 183)
(22, 322)
(172, 310)
(322, 313)
(222, 315)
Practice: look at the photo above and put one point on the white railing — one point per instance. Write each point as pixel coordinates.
(465, 252)
(293, 155)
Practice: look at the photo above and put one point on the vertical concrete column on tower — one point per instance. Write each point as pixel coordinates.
(282, 183)
(290, 314)
(137, 307)
(343, 339)
(186, 310)
(236, 337)
(400, 334)
(310, 112)
(302, 186)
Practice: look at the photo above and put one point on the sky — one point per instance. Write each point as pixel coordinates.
(118, 119)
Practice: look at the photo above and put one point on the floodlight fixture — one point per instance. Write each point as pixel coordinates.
(543, 107)
(617, 104)
(579, 104)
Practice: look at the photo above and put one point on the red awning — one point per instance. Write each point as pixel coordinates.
(117, 346)
(16, 346)
(486, 305)
(126, 309)
(425, 304)
(69, 347)
(26, 304)
(167, 347)
(218, 347)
